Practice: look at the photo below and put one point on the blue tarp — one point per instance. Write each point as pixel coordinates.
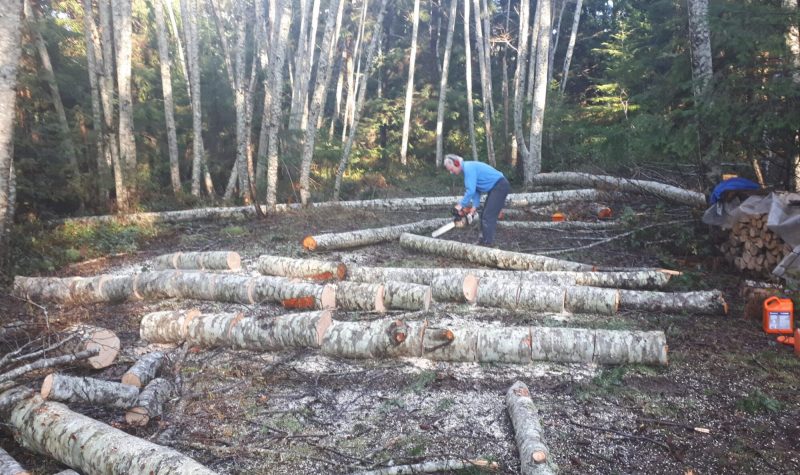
(732, 184)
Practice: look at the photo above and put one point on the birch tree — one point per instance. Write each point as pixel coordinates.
(700, 38)
(274, 91)
(10, 21)
(166, 87)
(468, 74)
(533, 164)
(410, 85)
(793, 46)
(576, 19)
(304, 60)
(448, 46)
(332, 23)
(486, 79)
(121, 10)
(519, 77)
(189, 14)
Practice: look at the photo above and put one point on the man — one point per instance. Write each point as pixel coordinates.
(480, 178)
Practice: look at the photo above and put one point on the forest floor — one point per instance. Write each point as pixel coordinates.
(300, 412)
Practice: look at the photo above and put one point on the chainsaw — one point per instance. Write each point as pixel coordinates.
(461, 218)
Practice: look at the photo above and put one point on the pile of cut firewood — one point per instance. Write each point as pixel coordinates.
(751, 246)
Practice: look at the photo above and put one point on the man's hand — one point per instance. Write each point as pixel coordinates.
(458, 207)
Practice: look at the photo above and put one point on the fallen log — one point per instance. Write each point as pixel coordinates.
(150, 403)
(87, 337)
(488, 256)
(558, 224)
(9, 466)
(169, 326)
(90, 446)
(311, 269)
(358, 296)
(376, 339)
(709, 302)
(432, 466)
(661, 190)
(533, 452)
(213, 260)
(406, 295)
(63, 388)
(364, 237)
(547, 298)
(144, 369)
(10, 376)
(455, 288)
(68, 472)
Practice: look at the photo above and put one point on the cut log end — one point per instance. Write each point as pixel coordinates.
(127, 378)
(380, 306)
(539, 456)
(604, 212)
(322, 276)
(108, 344)
(323, 324)
(47, 386)
(137, 416)
(327, 300)
(309, 243)
(470, 288)
(341, 271)
(234, 261)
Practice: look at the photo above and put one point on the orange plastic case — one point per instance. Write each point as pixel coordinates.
(558, 217)
(778, 315)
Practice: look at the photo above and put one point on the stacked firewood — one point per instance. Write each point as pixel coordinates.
(751, 246)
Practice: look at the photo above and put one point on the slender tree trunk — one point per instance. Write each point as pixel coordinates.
(303, 65)
(169, 106)
(486, 89)
(412, 60)
(562, 4)
(576, 19)
(468, 74)
(332, 23)
(10, 34)
(448, 47)
(793, 45)
(510, 151)
(121, 10)
(213, 8)
(534, 163)
(519, 78)
(701, 45)
(354, 75)
(178, 44)
(281, 37)
(188, 11)
(103, 153)
(362, 92)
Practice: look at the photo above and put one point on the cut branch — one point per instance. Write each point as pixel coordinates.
(144, 370)
(533, 453)
(63, 388)
(150, 403)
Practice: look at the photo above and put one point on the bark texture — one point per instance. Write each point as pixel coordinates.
(455, 288)
(311, 269)
(375, 339)
(367, 236)
(215, 260)
(150, 403)
(488, 256)
(10, 34)
(63, 388)
(557, 224)
(94, 448)
(9, 466)
(407, 296)
(533, 452)
(710, 302)
(358, 296)
(144, 370)
(168, 326)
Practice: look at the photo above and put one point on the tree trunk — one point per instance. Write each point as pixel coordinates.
(367, 236)
(63, 388)
(434, 466)
(454, 288)
(406, 296)
(179, 45)
(700, 39)
(448, 47)
(533, 452)
(169, 326)
(571, 46)
(332, 24)
(166, 85)
(304, 60)
(533, 165)
(468, 78)
(144, 370)
(358, 296)
(9, 466)
(793, 46)
(311, 269)
(488, 256)
(214, 260)
(188, 11)
(376, 339)
(410, 85)
(121, 10)
(558, 224)
(9, 58)
(484, 62)
(519, 78)
(562, 4)
(359, 102)
(710, 302)
(94, 448)
(150, 403)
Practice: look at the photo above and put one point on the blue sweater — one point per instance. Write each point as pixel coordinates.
(478, 178)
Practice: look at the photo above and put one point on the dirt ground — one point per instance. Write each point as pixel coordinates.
(301, 412)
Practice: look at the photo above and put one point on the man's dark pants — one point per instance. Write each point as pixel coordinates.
(491, 209)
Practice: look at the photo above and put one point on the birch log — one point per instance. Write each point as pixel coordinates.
(211, 330)
(661, 190)
(168, 326)
(144, 369)
(434, 466)
(358, 296)
(87, 337)
(375, 339)
(710, 302)
(547, 298)
(150, 403)
(455, 288)
(312, 269)
(488, 256)
(533, 452)
(9, 466)
(558, 224)
(407, 296)
(214, 260)
(63, 388)
(278, 289)
(93, 448)
(364, 237)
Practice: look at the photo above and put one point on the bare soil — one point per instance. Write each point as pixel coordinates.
(304, 413)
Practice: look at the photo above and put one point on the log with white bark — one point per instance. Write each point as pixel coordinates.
(557, 224)
(90, 446)
(88, 337)
(67, 472)
(9, 466)
(358, 296)
(312, 269)
(547, 298)
(533, 452)
(455, 288)
(7, 379)
(150, 403)
(426, 275)
(363, 237)
(384, 338)
(406, 295)
(168, 326)
(63, 388)
(488, 256)
(709, 302)
(144, 369)
(434, 466)
(212, 260)
(278, 289)
(661, 190)
(211, 330)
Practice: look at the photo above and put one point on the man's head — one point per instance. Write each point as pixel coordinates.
(453, 163)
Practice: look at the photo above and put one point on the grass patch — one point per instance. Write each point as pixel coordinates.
(234, 231)
(422, 381)
(287, 423)
(758, 402)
